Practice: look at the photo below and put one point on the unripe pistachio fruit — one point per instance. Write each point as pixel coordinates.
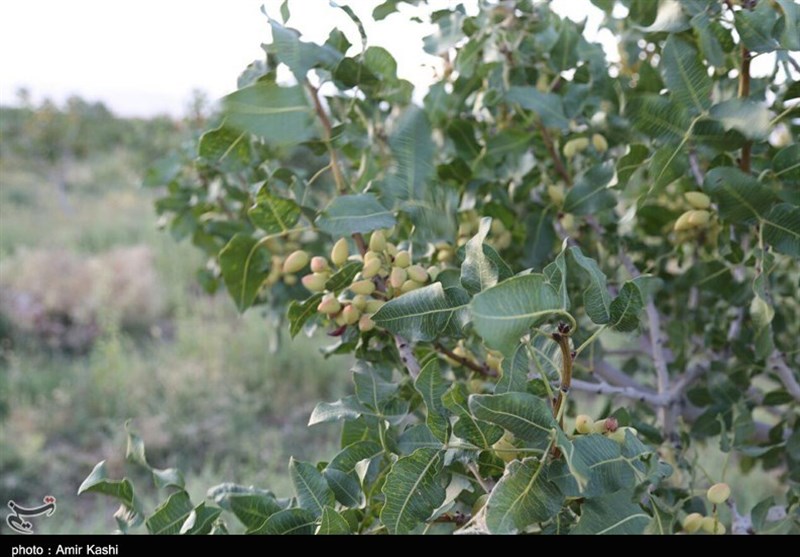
(374, 305)
(713, 526)
(697, 200)
(718, 493)
(315, 282)
(479, 503)
(693, 522)
(556, 194)
(600, 143)
(377, 241)
(605, 425)
(410, 285)
(329, 305)
(402, 259)
(371, 268)
(417, 273)
(683, 222)
(583, 424)
(505, 448)
(363, 287)
(295, 262)
(365, 323)
(340, 252)
(398, 277)
(290, 279)
(575, 146)
(319, 264)
(698, 218)
(351, 314)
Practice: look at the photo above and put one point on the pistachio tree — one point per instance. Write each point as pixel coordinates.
(560, 276)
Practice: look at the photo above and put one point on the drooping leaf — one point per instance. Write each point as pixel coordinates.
(750, 118)
(528, 417)
(596, 298)
(432, 386)
(611, 514)
(590, 195)
(478, 272)
(782, 229)
(201, 520)
(273, 214)
(740, 197)
(412, 490)
(129, 514)
(627, 306)
(505, 312)
(548, 106)
(685, 75)
(424, 314)
(170, 516)
(670, 17)
(312, 490)
(412, 148)
(300, 56)
(351, 214)
(332, 523)
(522, 498)
(279, 115)
(244, 263)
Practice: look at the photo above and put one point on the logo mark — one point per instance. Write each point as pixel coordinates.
(16, 520)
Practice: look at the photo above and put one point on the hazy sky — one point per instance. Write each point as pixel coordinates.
(146, 57)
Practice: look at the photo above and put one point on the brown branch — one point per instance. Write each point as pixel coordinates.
(482, 368)
(744, 92)
(341, 186)
(557, 162)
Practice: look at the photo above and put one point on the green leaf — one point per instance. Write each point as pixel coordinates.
(708, 42)
(371, 389)
(628, 304)
(170, 516)
(611, 514)
(564, 54)
(762, 313)
(424, 314)
(413, 490)
(667, 164)
(170, 477)
(528, 417)
(786, 164)
(757, 27)
(631, 162)
(479, 433)
(548, 106)
(478, 272)
(658, 117)
(670, 18)
(300, 56)
(279, 115)
(244, 263)
(462, 133)
(413, 149)
(503, 313)
(782, 229)
(332, 523)
(740, 197)
(685, 75)
(341, 472)
(515, 368)
(344, 276)
(351, 214)
(596, 298)
(252, 509)
(296, 522)
(129, 514)
(540, 235)
(430, 384)
(273, 214)
(415, 437)
(347, 408)
(522, 498)
(225, 145)
(590, 195)
(300, 312)
(312, 490)
(790, 38)
(200, 521)
(750, 118)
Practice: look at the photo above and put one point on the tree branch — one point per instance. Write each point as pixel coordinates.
(481, 368)
(660, 363)
(341, 186)
(744, 92)
(785, 373)
(557, 162)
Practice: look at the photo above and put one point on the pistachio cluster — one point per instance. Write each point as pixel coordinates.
(580, 144)
(609, 427)
(386, 273)
(716, 495)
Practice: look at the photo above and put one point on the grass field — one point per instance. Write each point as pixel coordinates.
(197, 381)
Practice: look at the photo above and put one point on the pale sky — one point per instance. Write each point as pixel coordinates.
(145, 57)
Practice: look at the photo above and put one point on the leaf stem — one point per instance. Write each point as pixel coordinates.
(562, 338)
(589, 340)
